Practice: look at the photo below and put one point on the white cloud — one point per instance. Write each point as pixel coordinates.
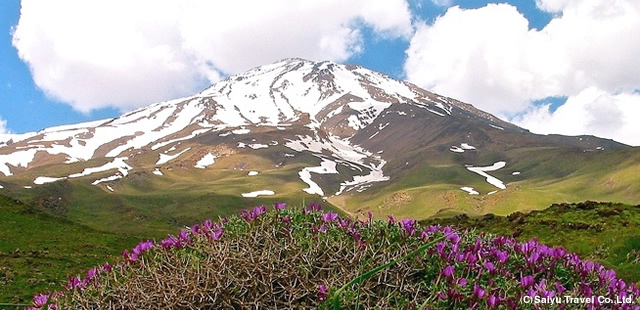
(489, 57)
(592, 111)
(131, 53)
(3, 127)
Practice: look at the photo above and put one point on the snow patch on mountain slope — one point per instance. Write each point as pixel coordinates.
(164, 158)
(206, 161)
(469, 190)
(461, 148)
(345, 154)
(107, 179)
(44, 180)
(117, 163)
(265, 192)
(326, 167)
(490, 179)
(20, 158)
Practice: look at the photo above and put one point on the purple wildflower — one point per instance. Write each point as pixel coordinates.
(170, 242)
(315, 207)
(502, 256)
(329, 217)
(322, 292)
(206, 225)
(478, 292)
(454, 238)
(490, 267)
(215, 235)
(391, 220)
(492, 301)
(195, 229)
(448, 271)
(75, 282)
(40, 300)
(91, 273)
(280, 206)
(527, 281)
(408, 225)
(106, 267)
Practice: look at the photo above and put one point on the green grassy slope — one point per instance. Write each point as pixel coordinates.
(38, 250)
(432, 186)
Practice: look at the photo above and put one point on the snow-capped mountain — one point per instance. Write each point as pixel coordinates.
(361, 128)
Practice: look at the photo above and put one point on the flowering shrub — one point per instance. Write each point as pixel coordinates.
(308, 259)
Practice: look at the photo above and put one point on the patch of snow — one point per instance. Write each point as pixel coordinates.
(207, 160)
(164, 158)
(242, 131)
(515, 173)
(107, 179)
(28, 187)
(225, 134)
(110, 188)
(257, 146)
(252, 173)
(326, 167)
(157, 172)
(289, 155)
(466, 146)
(1, 187)
(491, 192)
(490, 179)
(117, 163)
(43, 180)
(259, 193)
(496, 127)
(334, 112)
(354, 122)
(462, 148)
(376, 174)
(469, 190)
(17, 159)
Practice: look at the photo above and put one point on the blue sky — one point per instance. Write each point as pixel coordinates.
(552, 66)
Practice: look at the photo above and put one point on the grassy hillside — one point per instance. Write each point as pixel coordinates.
(38, 250)
(544, 176)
